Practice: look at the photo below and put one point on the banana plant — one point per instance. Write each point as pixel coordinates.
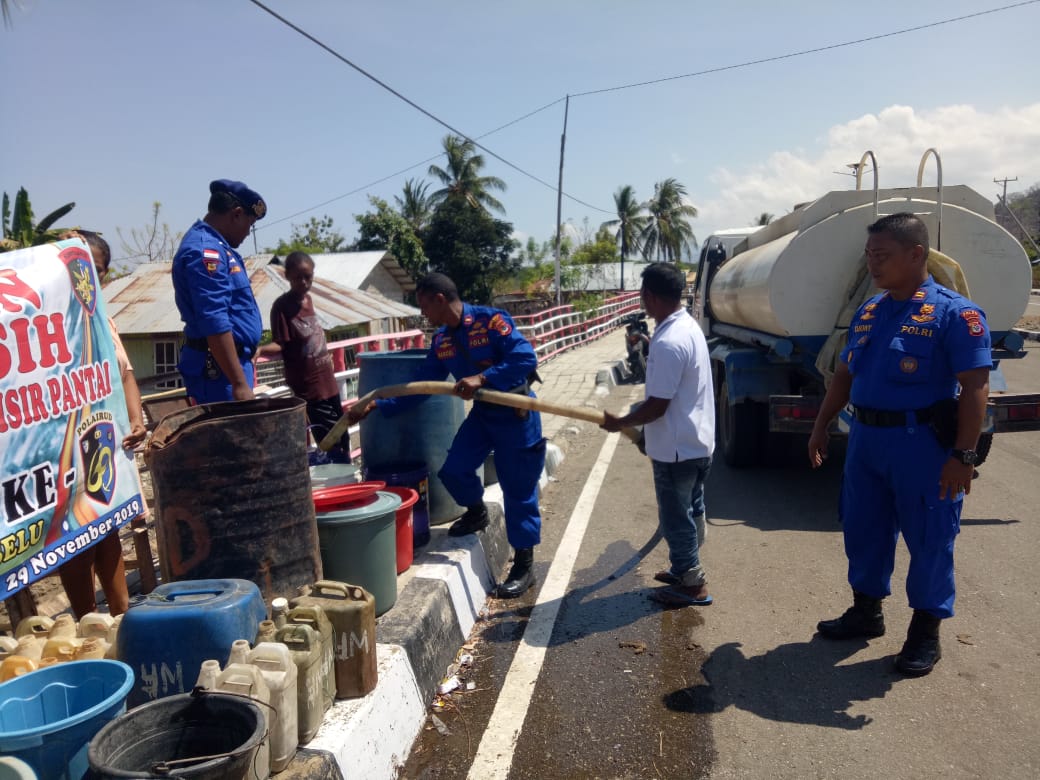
(19, 231)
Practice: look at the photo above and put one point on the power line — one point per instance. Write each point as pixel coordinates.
(804, 52)
(405, 170)
(415, 105)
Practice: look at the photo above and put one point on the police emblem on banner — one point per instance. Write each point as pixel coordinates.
(81, 271)
(98, 447)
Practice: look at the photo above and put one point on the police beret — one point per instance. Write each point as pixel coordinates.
(247, 198)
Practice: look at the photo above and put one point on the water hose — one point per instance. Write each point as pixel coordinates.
(490, 396)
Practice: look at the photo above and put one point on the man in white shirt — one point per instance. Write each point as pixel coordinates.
(678, 416)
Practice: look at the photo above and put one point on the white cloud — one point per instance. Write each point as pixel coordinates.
(975, 147)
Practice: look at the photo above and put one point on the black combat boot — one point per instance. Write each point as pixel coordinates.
(921, 650)
(474, 519)
(520, 576)
(862, 619)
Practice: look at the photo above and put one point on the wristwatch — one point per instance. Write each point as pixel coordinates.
(967, 457)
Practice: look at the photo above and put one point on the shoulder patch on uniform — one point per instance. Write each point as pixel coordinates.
(499, 323)
(211, 258)
(974, 320)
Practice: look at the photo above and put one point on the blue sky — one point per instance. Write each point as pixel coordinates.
(118, 104)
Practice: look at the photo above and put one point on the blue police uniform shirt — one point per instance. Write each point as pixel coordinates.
(212, 291)
(486, 342)
(905, 355)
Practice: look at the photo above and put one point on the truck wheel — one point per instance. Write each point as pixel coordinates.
(739, 429)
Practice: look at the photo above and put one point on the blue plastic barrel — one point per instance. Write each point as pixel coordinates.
(167, 635)
(422, 434)
(48, 717)
(416, 477)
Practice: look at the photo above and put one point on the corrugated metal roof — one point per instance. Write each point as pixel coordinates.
(143, 302)
(350, 269)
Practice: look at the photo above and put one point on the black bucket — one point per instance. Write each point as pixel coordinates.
(233, 495)
(167, 737)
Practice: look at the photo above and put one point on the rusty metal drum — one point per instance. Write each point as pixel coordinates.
(233, 495)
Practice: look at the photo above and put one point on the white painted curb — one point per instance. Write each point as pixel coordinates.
(371, 737)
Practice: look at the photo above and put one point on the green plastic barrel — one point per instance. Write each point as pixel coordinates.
(359, 545)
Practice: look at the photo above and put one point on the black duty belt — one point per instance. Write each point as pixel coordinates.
(883, 418)
(203, 346)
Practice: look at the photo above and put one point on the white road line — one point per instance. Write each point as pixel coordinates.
(495, 754)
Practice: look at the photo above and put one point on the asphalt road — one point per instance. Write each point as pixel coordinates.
(743, 689)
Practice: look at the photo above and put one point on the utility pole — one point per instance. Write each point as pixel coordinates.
(1004, 181)
(1007, 208)
(559, 199)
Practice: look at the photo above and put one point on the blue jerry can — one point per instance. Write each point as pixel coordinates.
(167, 635)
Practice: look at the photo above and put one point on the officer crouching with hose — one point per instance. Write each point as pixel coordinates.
(481, 347)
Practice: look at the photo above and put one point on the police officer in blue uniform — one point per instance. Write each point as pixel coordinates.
(222, 324)
(911, 455)
(481, 347)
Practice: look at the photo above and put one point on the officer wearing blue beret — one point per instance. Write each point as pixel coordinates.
(222, 324)
(911, 450)
(481, 347)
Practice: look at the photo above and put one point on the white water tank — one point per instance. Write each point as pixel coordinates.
(792, 278)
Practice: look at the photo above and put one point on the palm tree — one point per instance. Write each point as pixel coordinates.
(415, 205)
(668, 232)
(763, 219)
(629, 224)
(462, 176)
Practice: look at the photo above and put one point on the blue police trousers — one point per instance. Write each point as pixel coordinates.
(891, 486)
(519, 458)
(203, 388)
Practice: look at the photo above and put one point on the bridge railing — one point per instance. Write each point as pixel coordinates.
(550, 332)
(563, 327)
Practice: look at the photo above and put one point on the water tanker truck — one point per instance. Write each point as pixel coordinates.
(775, 303)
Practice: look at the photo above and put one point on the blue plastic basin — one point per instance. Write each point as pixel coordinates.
(48, 717)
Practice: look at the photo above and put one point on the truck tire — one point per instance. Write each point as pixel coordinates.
(740, 429)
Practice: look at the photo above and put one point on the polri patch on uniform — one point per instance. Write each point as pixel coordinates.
(908, 364)
(499, 323)
(974, 320)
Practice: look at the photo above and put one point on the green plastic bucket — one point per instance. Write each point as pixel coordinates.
(358, 545)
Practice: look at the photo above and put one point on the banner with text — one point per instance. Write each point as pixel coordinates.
(65, 479)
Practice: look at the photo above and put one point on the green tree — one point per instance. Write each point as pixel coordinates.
(599, 251)
(386, 229)
(668, 232)
(629, 225)
(533, 253)
(471, 247)
(154, 243)
(315, 237)
(19, 228)
(414, 204)
(763, 219)
(461, 178)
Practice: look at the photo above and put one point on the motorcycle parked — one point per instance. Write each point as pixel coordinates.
(637, 341)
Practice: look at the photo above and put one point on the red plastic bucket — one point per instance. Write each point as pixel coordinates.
(404, 525)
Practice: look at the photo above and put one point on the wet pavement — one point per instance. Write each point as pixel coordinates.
(744, 688)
